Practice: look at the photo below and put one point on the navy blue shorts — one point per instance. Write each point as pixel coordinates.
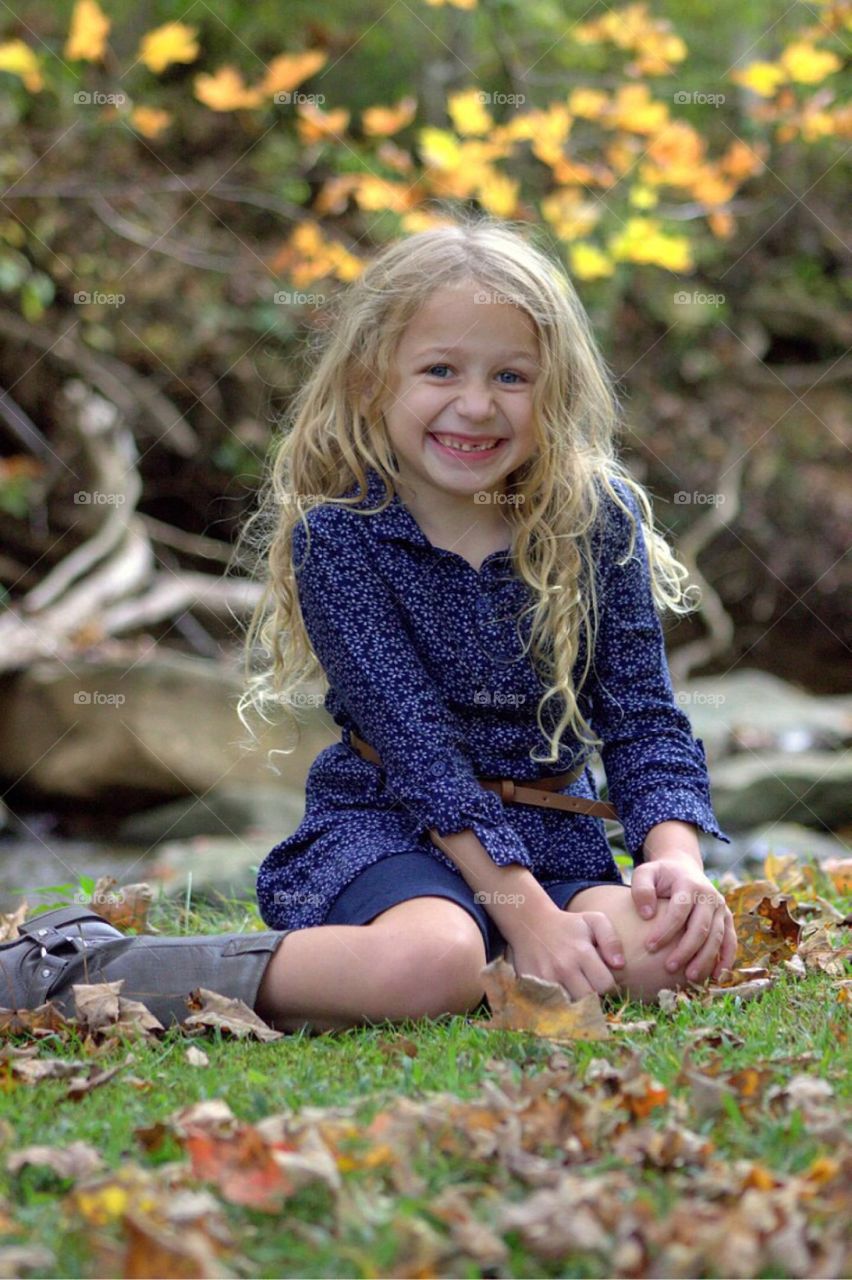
(413, 875)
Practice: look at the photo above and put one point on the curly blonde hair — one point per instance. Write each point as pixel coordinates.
(335, 431)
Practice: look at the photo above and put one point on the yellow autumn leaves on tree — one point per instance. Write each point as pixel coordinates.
(588, 145)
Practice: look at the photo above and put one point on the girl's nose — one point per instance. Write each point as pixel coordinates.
(476, 403)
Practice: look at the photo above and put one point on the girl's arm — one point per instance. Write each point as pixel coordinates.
(656, 770)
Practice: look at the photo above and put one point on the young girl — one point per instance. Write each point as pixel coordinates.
(453, 544)
(449, 538)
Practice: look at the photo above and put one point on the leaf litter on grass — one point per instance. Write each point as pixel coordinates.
(529, 1148)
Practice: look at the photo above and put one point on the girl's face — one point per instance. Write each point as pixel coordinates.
(463, 374)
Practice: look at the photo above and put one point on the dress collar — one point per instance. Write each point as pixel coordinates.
(396, 521)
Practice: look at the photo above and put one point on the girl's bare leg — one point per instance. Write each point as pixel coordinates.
(420, 958)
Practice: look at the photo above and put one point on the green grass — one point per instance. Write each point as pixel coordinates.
(792, 1018)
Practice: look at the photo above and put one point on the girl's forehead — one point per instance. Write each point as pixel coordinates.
(469, 314)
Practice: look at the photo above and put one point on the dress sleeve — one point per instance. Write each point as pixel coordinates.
(360, 636)
(656, 770)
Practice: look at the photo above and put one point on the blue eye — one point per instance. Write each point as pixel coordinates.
(510, 372)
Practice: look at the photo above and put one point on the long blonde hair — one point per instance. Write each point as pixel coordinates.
(335, 431)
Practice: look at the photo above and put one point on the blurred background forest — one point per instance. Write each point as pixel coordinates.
(184, 187)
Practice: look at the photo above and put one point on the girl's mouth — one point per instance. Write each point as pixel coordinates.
(467, 450)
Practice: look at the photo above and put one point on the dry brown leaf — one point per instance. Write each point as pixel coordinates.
(10, 921)
(818, 953)
(18, 1259)
(530, 1004)
(839, 871)
(78, 1160)
(158, 1249)
(231, 1015)
(41, 1021)
(197, 1057)
(124, 908)
(742, 991)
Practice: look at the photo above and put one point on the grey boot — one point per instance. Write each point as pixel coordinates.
(75, 945)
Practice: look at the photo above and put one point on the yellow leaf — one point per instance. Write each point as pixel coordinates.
(588, 262)
(378, 193)
(19, 60)
(288, 70)
(643, 241)
(314, 124)
(570, 214)
(150, 121)
(762, 78)
(225, 90)
(380, 122)
(456, 4)
(642, 197)
(634, 110)
(439, 148)
(468, 113)
(87, 35)
(172, 42)
(721, 224)
(588, 103)
(499, 194)
(807, 65)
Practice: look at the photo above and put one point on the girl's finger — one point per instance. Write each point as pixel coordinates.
(678, 911)
(702, 963)
(728, 954)
(644, 890)
(599, 977)
(696, 934)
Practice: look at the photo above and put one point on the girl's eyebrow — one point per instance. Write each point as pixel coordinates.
(446, 351)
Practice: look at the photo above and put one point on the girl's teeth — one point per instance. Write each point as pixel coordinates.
(465, 448)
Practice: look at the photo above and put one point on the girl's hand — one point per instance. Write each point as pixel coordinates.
(573, 948)
(709, 943)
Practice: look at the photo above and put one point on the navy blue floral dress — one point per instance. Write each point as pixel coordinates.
(424, 660)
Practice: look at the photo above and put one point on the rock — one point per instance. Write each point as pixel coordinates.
(123, 731)
(751, 709)
(809, 787)
(232, 811)
(218, 864)
(780, 838)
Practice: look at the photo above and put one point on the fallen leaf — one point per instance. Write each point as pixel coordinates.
(197, 1057)
(75, 1161)
(234, 1016)
(527, 1003)
(18, 1259)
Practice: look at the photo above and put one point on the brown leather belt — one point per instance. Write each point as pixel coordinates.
(542, 791)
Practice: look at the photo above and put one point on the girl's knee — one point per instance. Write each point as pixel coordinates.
(434, 953)
(644, 973)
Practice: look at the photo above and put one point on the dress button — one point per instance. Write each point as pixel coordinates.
(45, 973)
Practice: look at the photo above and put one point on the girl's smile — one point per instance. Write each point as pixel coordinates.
(460, 417)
